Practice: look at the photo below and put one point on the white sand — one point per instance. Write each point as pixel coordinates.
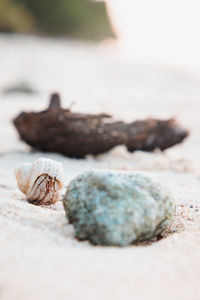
(39, 257)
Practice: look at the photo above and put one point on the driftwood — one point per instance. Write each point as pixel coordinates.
(76, 135)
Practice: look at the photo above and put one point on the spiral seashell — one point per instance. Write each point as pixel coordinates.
(41, 181)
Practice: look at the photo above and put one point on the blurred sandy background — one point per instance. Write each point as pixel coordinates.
(138, 60)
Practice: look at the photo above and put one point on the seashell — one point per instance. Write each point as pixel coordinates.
(41, 181)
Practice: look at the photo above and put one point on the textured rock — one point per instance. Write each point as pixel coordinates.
(117, 208)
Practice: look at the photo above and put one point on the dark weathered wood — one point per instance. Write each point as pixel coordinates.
(76, 135)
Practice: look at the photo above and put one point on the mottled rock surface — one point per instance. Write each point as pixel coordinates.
(117, 208)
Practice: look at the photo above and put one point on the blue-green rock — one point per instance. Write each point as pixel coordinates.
(117, 208)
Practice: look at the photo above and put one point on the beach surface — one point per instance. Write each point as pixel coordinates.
(39, 256)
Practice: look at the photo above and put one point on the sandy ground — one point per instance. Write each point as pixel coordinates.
(39, 257)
